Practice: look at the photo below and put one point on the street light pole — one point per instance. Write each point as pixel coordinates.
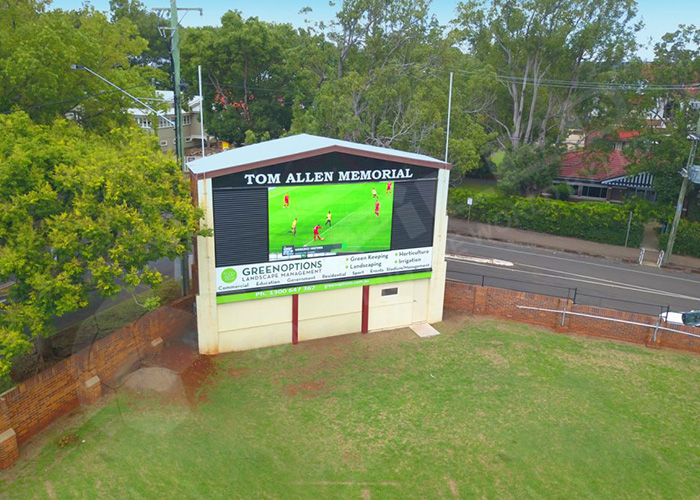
(681, 196)
(160, 114)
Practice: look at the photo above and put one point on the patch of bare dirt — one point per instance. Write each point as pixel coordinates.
(307, 390)
(196, 379)
(49, 490)
(453, 488)
(493, 356)
(193, 369)
(153, 378)
(176, 357)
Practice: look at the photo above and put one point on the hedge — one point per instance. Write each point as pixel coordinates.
(687, 239)
(593, 221)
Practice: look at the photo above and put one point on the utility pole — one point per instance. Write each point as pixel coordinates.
(177, 105)
(175, 54)
(177, 90)
(681, 196)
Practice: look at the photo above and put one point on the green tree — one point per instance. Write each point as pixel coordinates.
(527, 170)
(250, 77)
(147, 23)
(533, 41)
(389, 87)
(79, 214)
(37, 49)
(663, 109)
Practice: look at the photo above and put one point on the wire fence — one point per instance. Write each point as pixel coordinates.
(562, 292)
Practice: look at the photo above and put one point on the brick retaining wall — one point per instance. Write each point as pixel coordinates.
(503, 303)
(35, 403)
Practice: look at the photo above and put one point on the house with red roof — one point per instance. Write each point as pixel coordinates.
(602, 174)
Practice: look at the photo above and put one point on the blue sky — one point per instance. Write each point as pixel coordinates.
(659, 16)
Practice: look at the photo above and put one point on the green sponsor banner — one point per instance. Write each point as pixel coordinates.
(280, 292)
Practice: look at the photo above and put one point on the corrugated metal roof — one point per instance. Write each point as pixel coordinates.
(297, 146)
(642, 180)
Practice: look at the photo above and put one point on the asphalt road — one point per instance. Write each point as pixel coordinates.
(596, 281)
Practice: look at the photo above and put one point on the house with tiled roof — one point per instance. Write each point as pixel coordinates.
(603, 175)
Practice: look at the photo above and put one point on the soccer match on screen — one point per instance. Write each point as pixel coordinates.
(338, 218)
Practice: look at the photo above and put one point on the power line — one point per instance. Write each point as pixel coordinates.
(555, 83)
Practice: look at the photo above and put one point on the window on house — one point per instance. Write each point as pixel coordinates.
(187, 119)
(163, 123)
(594, 192)
(143, 121)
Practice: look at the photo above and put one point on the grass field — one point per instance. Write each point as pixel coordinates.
(485, 410)
(481, 186)
(354, 223)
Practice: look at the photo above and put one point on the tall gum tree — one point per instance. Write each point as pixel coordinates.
(528, 43)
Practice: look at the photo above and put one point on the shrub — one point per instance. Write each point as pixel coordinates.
(687, 239)
(593, 221)
(561, 191)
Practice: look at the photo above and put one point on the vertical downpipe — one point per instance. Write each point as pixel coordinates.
(365, 309)
(295, 319)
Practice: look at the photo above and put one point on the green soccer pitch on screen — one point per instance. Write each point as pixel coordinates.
(348, 218)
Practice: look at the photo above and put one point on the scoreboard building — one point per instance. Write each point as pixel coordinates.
(315, 237)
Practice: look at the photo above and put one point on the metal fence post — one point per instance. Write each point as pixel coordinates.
(563, 313)
(658, 321)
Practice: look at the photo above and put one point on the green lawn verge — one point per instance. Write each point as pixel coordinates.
(485, 410)
(480, 186)
(497, 157)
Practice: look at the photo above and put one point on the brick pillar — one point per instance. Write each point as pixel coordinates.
(481, 297)
(9, 449)
(89, 388)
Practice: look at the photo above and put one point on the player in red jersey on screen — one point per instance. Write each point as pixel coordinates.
(388, 187)
(317, 236)
(286, 201)
(376, 209)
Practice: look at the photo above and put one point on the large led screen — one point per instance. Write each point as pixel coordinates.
(321, 223)
(318, 220)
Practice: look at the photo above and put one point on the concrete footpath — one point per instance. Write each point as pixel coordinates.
(564, 244)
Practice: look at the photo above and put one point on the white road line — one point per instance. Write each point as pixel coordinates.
(479, 260)
(573, 260)
(601, 280)
(622, 286)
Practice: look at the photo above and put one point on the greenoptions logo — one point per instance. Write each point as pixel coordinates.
(229, 275)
